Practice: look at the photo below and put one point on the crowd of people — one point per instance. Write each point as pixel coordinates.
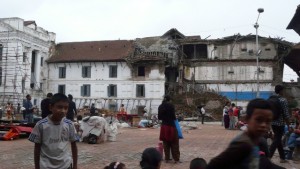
(249, 149)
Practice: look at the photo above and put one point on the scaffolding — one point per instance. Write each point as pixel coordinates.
(15, 73)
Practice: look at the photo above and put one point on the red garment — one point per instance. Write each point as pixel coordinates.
(230, 112)
(236, 112)
(167, 133)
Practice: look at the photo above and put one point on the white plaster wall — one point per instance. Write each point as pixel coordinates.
(239, 87)
(223, 51)
(100, 80)
(16, 23)
(126, 87)
(220, 72)
(155, 74)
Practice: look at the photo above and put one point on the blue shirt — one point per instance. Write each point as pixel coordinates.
(28, 106)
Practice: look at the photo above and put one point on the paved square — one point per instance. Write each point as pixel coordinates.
(206, 142)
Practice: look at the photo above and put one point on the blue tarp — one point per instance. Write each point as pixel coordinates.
(246, 95)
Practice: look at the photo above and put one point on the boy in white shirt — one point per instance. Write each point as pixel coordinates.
(52, 136)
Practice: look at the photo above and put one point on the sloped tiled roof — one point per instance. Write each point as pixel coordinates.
(92, 51)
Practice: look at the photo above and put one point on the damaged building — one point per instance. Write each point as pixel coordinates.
(139, 72)
(136, 73)
(228, 66)
(24, 47)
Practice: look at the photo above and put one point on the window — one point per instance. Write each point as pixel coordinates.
(62, 72)
(86, 71)
(41, 86)
(113, 71)
(244, 49)
(86, 90)
(24, 57)
(23, 86)
(42, 61)
(33, 56)
(140, 90)
(141, 71)
(112, 90)
(61, 89)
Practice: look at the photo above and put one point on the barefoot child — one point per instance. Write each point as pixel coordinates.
(243, 151)
(52, 136)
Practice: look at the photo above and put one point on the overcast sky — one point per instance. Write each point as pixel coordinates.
(94, 20)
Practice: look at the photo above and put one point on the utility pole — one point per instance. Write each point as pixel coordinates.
(260, 10)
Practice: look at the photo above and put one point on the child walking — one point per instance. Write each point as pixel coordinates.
(52, 136)
(243, 151)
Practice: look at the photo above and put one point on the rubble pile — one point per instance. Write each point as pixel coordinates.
(186, 104)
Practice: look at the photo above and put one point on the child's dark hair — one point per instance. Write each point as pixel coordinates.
(257, 104)
(79, 117)
(58, 97)
(278, 88)
(115, 165)
(198, 163)
(151, 158)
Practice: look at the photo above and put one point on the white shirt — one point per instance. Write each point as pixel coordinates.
(54, 140)
(202, 110)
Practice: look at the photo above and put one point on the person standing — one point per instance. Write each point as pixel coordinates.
(279, 123)
(231, 117)
(93, 110)
(226, 115)
(168, 131)
(236, 111)
(45, 105)
(201, 111)
(1, 112)
(18, 108)
(28, 109)
(72, 108)
(53, 135)
(9, 110)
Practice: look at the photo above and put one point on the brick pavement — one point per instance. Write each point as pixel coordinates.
(206, 142)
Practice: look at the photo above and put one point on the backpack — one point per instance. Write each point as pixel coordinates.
(276, 106)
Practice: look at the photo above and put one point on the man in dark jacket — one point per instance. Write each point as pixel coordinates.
(168, 131)
(72, 108)
(45, 105)
(93, 110)
(278, 125)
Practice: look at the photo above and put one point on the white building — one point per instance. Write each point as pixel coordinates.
(24, 47)
(105, 73)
